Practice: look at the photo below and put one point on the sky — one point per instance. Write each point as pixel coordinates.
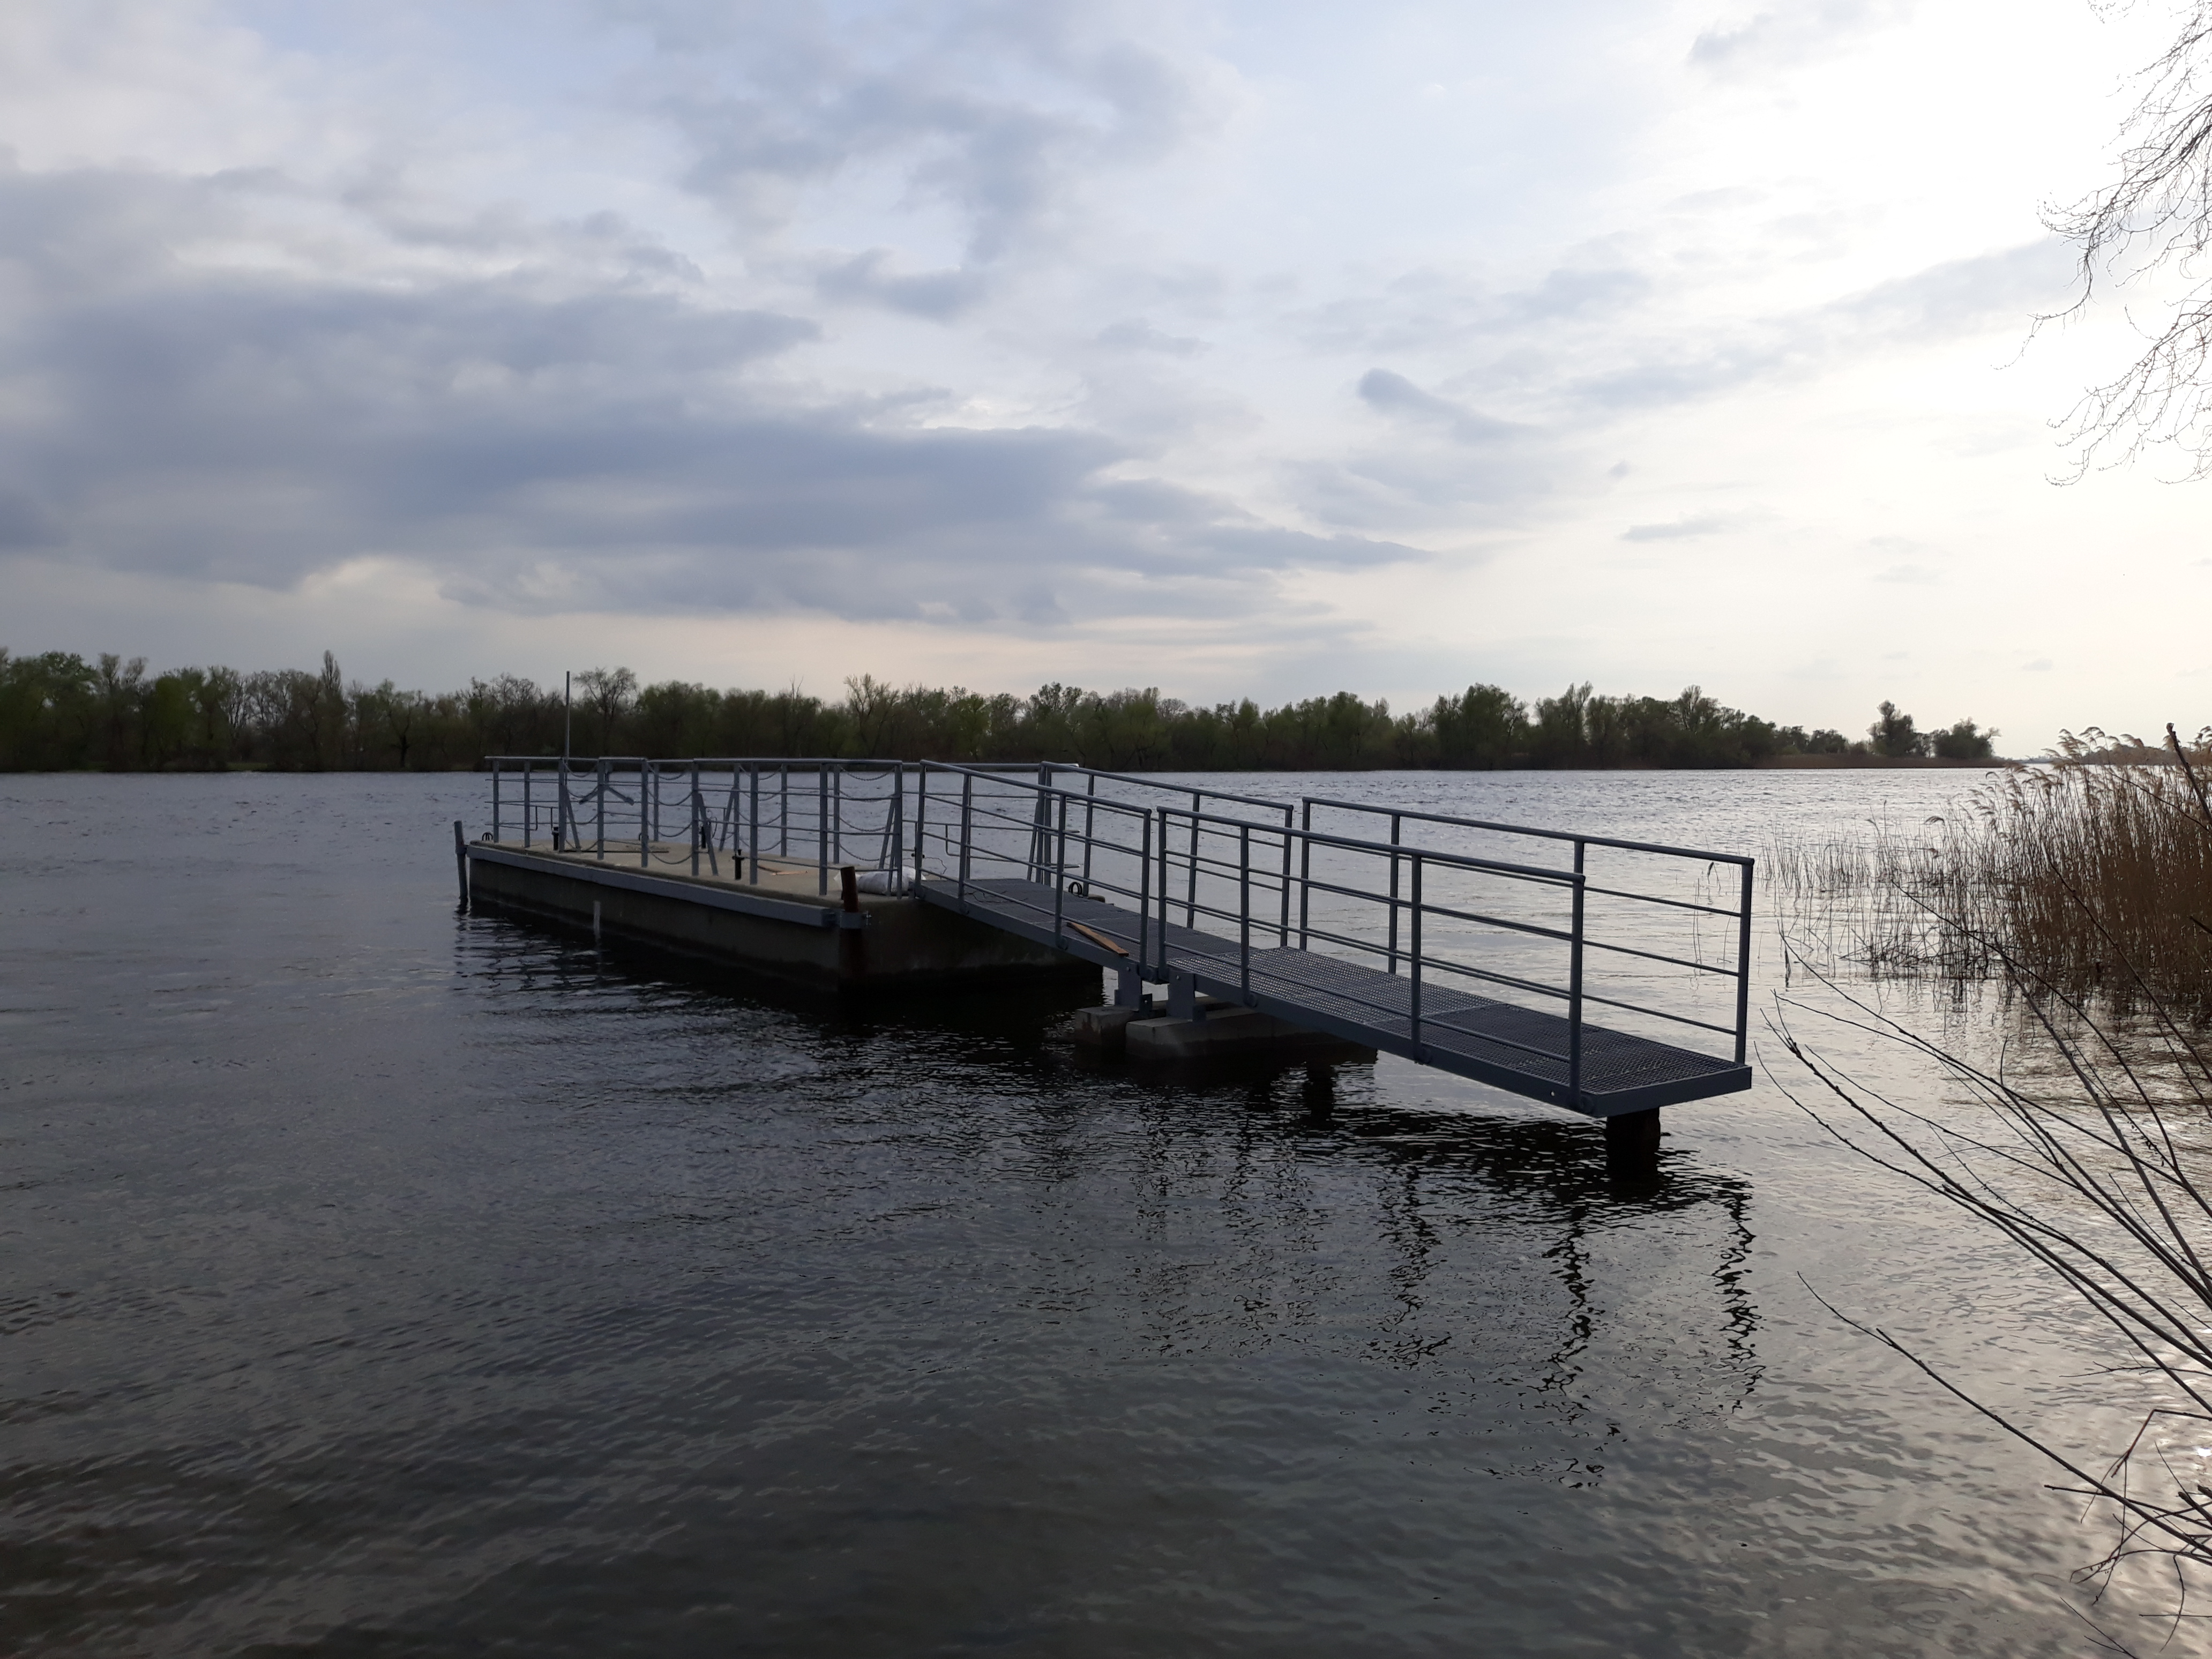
(1231, 348)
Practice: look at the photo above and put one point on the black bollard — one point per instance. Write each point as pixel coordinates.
(1632, 1146)
(461, 860)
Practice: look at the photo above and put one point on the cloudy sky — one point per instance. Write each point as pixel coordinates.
(1224, 347)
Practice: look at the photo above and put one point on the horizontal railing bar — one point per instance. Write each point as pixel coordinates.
(1453, 861)
(1654, 956)
(1660, 1013)
(1730, 911)
(1525, 829)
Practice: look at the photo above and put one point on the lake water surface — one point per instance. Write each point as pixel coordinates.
(380, 1280)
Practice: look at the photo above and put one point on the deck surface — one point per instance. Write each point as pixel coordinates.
(1502, 1043)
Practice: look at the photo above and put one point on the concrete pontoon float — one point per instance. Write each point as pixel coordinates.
(1595, 973)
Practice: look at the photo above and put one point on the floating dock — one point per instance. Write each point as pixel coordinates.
(1561, 966)
(775, 924)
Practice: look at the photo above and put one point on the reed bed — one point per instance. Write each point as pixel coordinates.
(2091, 880)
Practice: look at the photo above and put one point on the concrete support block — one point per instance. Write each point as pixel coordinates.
(1104, 1029)
(1227, 1032)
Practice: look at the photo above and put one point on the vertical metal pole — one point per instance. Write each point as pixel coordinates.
(1394, 893)
(1041, 819)
(1244, 906)
(837, 811)
(1414, 961)
(495, 798)
(696, 804)
(1283, 925)
(783, 813)
(528, 767)
(1163, 892)
(895, 854)
(1191, 892)
(644, 812)
(1059, 862)
(921, 816)
(599, 833)
(967, 825)
(1145, 894)
(1089, 822)
(1743, 967)
(1190, 897)
(1575, 985)
(752, 838)
(1306, 873)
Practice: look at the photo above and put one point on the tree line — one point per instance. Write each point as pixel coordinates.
(59, 712)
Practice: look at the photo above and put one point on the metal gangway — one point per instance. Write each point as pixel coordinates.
(1589, 971)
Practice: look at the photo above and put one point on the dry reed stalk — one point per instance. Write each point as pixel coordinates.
(2098, 875)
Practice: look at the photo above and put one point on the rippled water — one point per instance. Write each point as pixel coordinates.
(384, 1280)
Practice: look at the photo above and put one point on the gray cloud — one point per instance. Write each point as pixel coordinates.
(1394, 394)
(1703, 524)
(992, 113)
(938, 295)
(1135, 334)
(539, 448)
(1950, 301)
(1793, 34)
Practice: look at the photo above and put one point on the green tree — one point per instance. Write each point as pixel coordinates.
(1892, 733)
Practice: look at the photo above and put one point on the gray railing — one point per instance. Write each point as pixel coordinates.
(1262, 874)
(691, 813)
(1617, 927)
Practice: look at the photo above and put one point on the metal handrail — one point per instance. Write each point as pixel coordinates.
(1206, 853)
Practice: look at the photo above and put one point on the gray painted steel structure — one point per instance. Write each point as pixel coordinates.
(1395, 940)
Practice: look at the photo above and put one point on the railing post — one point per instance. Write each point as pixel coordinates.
(920, 817)
(897, 861)
(527, 768)
(753, 837)
(1305, 874)
(1089, 822)
(644, 812)
(1394, 894)
(1575, 985)
(696, 804)
(1743, 967)
(783, 813)
(495, 770)
(1413, 959)
(1283, 925)
(1244, 907)
(1145, 894)
(1059, 862)
(1040, 823)
(1190, 895)
(822, 827)
(967, 827)
(599, 844)
(1164, 867)
(837, 811)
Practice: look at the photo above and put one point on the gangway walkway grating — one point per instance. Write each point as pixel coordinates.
(1524, 1050)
